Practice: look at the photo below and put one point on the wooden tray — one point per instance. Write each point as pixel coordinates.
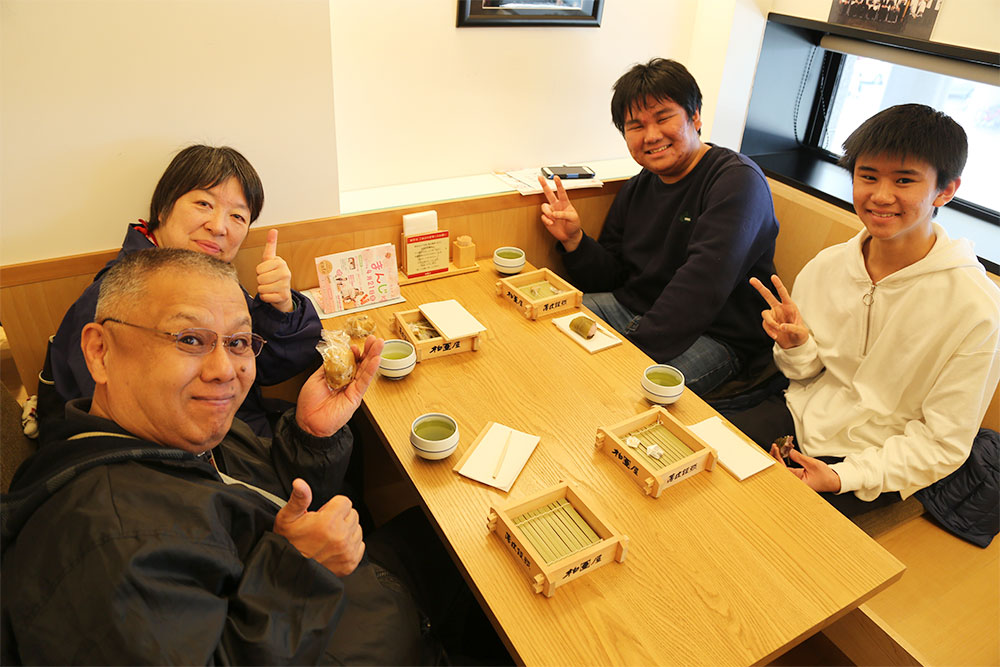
(556, 536)
(684, 453)
(529, 293)
(438, 346)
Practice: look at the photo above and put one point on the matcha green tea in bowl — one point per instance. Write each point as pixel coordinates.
(398, 359)
(662, 384)
(434, 435)
(508, 260)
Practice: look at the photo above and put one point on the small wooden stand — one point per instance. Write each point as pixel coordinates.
(452, 271)
(684, 453)
(556, 536)
(463, 252)
(525, 290)
(438, 346)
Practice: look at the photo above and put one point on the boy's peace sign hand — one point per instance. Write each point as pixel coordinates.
(559, 216)
(782, 321)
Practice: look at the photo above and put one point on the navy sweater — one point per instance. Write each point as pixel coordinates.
(681, 255)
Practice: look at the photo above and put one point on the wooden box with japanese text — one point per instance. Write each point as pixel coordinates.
(539, 293)
(556, 536)
(411, 325)
(655, 450)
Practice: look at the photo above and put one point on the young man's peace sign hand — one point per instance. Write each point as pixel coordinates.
(559, 216)
(782, 321)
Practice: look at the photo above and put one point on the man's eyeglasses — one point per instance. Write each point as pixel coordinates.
(202, 341)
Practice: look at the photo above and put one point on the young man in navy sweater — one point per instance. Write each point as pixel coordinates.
(682, 238)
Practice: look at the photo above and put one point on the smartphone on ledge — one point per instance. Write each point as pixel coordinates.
(567, 172)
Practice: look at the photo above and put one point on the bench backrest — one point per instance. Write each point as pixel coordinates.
(35, 295)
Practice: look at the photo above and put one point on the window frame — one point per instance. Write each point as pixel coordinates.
(791, 48)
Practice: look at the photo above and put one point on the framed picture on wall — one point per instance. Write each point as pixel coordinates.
(480, 13)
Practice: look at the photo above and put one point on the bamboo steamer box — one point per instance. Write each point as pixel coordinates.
(683, 454)
(539, 293)
(556, 536)
(437, 345)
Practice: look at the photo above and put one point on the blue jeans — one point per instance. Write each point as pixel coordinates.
(705, 365)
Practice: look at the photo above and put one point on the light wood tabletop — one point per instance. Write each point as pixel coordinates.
(718, 571)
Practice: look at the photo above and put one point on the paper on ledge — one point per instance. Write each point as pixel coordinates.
(525, 181)
(481, 462)
(736, 455)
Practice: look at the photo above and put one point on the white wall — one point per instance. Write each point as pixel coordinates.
(726, 40)
(98, 96)
(419, 99)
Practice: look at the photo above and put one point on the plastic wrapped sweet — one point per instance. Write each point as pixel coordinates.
(422, 330)
(338, 358)
(360, 326)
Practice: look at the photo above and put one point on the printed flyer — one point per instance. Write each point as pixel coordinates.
(358, 279)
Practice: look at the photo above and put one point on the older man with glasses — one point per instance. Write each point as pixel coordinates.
(153, 528)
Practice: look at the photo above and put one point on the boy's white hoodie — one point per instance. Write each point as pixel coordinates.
(896, 376)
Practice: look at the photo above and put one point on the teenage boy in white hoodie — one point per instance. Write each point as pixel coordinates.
(892, 340)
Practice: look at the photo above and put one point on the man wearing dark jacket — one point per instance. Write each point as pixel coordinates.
(156, 530)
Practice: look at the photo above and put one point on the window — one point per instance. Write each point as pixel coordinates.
(817, 82)
(867, 86)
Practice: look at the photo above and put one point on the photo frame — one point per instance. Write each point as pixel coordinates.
(520, 13)
(908, 18)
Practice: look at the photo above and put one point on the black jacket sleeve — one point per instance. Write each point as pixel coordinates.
(153, 599)
(291, 338)
(273, 465)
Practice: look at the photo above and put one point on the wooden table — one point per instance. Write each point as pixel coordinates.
(718, 571)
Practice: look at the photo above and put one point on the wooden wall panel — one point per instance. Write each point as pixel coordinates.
(30, 314)
(807, 226)
(34, 296)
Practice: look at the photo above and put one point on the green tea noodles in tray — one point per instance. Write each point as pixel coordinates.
(657, 434)
(541, 290)
(556, 530)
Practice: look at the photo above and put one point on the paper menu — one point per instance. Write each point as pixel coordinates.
(451, 319)
(424, 254)
(498, 450)
(739, 457)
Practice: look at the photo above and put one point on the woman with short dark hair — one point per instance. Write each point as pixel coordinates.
(205, 201)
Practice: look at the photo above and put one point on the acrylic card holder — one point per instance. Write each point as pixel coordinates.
(655, 450)
(556, 536)
(539, 293)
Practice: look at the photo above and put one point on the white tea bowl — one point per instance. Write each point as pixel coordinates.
(508, 260)
(434, 436)
(662, 384)
(404, 359)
